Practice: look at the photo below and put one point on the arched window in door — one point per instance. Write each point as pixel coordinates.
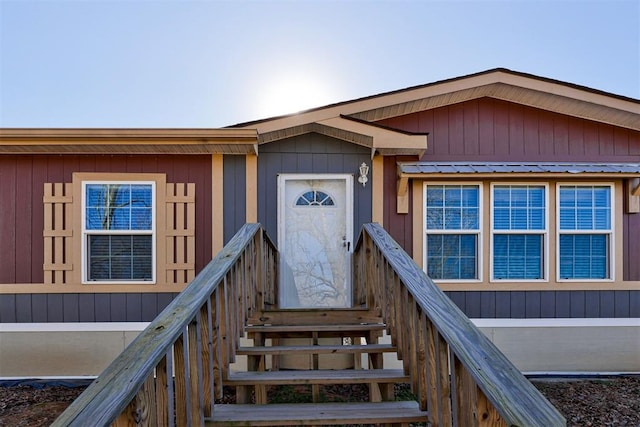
(315, 198)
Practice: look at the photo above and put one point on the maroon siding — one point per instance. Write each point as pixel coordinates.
(399, 226)
(631, 245)
(493, 130)
(22, 181)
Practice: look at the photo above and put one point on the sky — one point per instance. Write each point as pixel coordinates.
(208, 63)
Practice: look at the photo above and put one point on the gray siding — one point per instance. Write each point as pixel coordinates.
(235, 195)
(547, 304)
(116, 307)
(310, 153)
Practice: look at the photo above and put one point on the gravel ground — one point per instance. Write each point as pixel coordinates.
(583, 402)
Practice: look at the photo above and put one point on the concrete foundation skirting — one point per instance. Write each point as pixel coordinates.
(533, 345)
(62, 349)
(567, 345)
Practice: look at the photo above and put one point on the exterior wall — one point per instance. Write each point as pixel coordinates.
(234, 192)
(631, 246)
(399, 226)
(309, 153)
(22, 213)
(111, 307)
(547, 304)
(495, 130)
(22, 243)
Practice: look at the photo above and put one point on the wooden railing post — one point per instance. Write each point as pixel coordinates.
(456, 372)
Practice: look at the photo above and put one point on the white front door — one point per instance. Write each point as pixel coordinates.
(315, 225)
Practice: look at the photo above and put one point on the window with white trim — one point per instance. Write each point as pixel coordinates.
(585, 229)
(519, 232)
(452, 230)
(118, 228)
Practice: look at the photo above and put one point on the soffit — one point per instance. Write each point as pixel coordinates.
(128, 141)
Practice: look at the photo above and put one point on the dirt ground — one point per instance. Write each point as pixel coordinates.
(584, 402)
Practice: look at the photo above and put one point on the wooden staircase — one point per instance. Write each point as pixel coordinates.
(175, 371)
(315, 348)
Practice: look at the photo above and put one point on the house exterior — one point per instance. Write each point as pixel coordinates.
(518, 195)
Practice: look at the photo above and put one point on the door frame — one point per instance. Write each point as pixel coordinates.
(282, 179)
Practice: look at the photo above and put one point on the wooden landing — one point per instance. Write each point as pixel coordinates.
(308, 414)
(321, 376)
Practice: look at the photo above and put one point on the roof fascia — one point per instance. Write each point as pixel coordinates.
(128, 141)
(493, 83)
(380, 140)
(385, 141)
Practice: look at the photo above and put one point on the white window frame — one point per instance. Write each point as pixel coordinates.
(545, 232)
(478, 232)
(611, 232)
(86, 233)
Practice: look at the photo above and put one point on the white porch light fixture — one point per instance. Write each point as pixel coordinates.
(364, 171)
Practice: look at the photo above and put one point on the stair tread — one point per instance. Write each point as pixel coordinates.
(316, 349)
(317, 328)
(317, 413)
(320, 376)
(311, 316)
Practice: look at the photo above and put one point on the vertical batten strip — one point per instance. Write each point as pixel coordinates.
(170, 239)
(179, 228)
(191, 232)
(48, 233)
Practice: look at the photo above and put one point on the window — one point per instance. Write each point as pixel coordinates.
(452, 231)
(519, 229)
(584, 232)
(315, 198)
(118, 231)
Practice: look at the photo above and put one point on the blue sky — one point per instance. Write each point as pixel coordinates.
(181, 64)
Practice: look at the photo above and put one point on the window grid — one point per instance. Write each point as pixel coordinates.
(119, 227)
(452, 231)
(585, 229)
(519, 232)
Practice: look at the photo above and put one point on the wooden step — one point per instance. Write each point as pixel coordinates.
(343, 327)
(319, 330)
(315, 349)
(307, 414)
(316, 316)
(320, 376)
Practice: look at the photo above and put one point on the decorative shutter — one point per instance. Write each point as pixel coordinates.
(180, 247)
(58, 233)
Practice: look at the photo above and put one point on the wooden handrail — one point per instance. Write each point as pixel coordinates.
(194, 338)
(457, 372)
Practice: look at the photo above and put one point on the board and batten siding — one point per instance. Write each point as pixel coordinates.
(314, 154)
(89, 307)
(22, 212)
(22, 180)
(495, 130)
(234, 194)
(547, 304)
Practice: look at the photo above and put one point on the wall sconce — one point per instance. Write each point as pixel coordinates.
(364, 171)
